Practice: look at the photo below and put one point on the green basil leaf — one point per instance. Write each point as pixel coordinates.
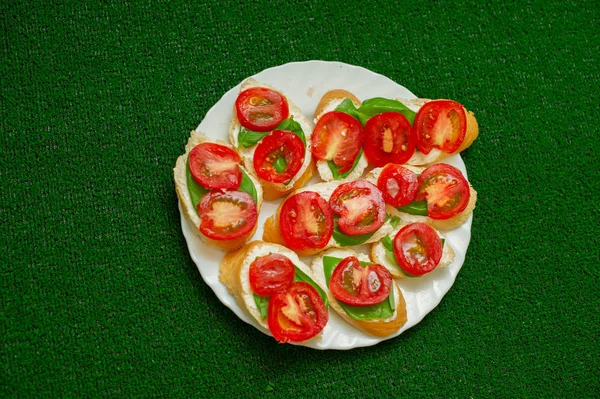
(247, 186)
(301, 276)
(293, 126)
(389, 252)
(377, 105)
(394, 220)
(414, 208)
(346, 240)
(348, 107)
(280, 165)
(335, 170)
(247, 138)
(196, 190)
(382, 310)
(262, 303)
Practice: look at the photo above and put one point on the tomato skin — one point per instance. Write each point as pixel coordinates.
(227, 215)
(271, 274)
(215, 166)
(389, 138)
(360, 205)
(306, 221)
(445, 189)
(297, 314)
(261, 109)
(418, 248)
(278, 143)
(398, 185)
(440, 124)
(359, 285)
(337, 137)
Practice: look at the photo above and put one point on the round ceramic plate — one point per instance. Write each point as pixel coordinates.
(304, 83)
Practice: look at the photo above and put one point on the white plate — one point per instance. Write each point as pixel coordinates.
(304, 83)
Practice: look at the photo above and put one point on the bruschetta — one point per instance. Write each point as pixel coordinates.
(362, 293)
(277, 289)
(331, 214)
(216, 193)
(273, 138)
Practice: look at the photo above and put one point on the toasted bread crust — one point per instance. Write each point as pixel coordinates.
(230, 269)
(332, 95)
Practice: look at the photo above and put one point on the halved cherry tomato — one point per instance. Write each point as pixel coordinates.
(440, 124)
(338, 137)
(282, 145)
(418, 248)
(389, 138)
(297, 314)
(360, 205)
(226, 215)
(398, 185)
(359, 285)
(261, 109)
(445, 189)
(271, 274)
(215, 166)
(306, 221)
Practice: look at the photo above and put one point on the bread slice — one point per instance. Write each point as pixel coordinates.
(377, 327)
(447, 224)
(272, 230)
(328, 103)
(186, 202)
(234, 274)
(378, 254)
(271, 190)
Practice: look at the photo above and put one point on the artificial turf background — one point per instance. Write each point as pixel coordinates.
(99, 296)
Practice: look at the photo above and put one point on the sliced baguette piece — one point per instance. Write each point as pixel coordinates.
(377, 327)
(186, 202)
(234, 274)
(435, 155)
(272, 231)
(328, 103)
(378, 254)
(271, 190)
(447, 224)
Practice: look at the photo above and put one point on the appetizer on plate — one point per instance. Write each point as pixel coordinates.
(216, 193)
(438, 195)
(363, 293)
(273, 138)
(332, 214)
(277, 289)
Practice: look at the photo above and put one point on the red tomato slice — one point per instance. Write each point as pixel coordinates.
(440, 124)
(215, 166)
(359, 285)
(445, 189)
(297, 314)
(306, 221)
(360, 205)
(398, 185)
(338, 137)
(261, 109)
(271, 274)
(418, 248)
(279, 144)
(226, 215)
(389, 138)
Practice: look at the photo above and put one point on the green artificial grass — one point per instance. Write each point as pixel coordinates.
(99, 296)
